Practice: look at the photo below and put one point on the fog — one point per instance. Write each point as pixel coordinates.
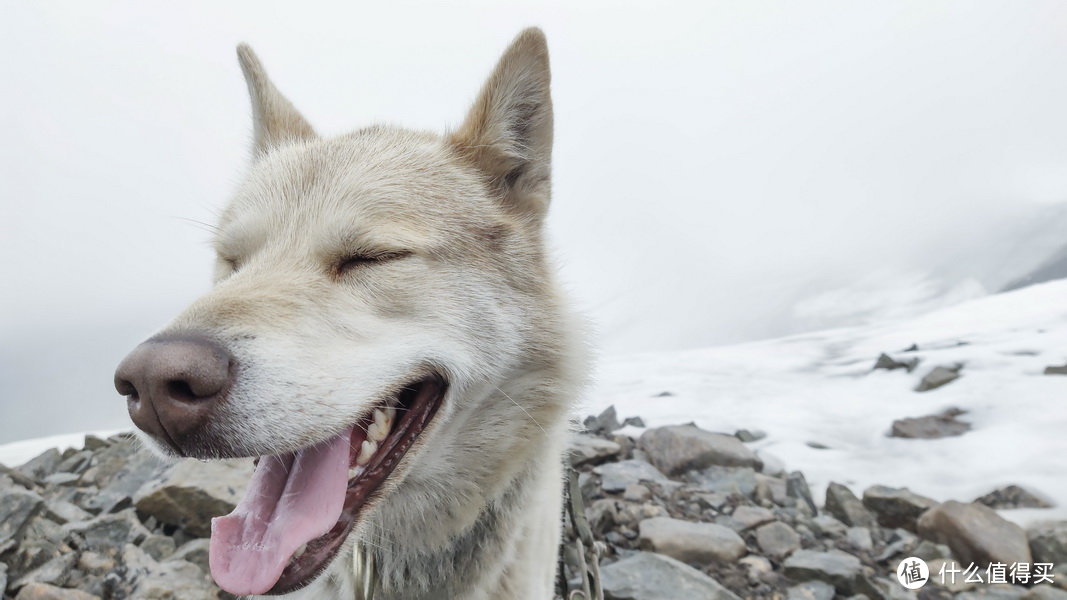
(724, 171)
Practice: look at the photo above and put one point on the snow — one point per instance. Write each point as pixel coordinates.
(819, 387)
(16, 453)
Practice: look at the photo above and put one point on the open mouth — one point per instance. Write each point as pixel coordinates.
(300, 506)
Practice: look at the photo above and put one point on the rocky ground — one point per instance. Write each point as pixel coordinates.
(678, 513)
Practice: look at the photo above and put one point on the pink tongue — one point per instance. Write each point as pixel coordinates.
(291, 500)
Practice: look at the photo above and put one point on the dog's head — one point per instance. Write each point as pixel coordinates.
(372, 290)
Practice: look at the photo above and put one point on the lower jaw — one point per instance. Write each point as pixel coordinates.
(420, 403)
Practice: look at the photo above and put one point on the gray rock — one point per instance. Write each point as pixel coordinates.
(16, 477)
(725, 480)
(605, 422)
(829, 526)
(54, 572)
(846, 507)
(58, 479)
(1048, 541)
(772, 465)
(835, 567)
(158, 547)
(650, 576)
(677, 449)
(811, 590)
(746, 517)
(995, 592)
(44, 591)
(3, 578)
(591, 450)
(891, 364)
(17, 507)
(196, 552)
(602, 515)
(747, 436)
(938, 377)
(756, 568)
(107, 533)
(860, 538)
(954, 583)
(944, 424)
(1056, 370)
(975, 533)
(77, 463)
(770, 489)
(94, 443)
(796, 486)
(616, 477)
(42, 465)
(119, 471)
(777, 540)
(190, 493)
(637, 493)
(690, 542)
(62, 511)
(168, 580)
(95, 563)
(1012, 496)
(896, 507)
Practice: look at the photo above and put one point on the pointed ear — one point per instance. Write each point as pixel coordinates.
(275, 120)
(508, 132)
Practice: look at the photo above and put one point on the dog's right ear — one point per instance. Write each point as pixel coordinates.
(275, 120)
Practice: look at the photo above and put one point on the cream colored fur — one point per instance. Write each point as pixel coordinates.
(464, 287)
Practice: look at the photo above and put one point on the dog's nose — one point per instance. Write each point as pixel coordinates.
(172, 384)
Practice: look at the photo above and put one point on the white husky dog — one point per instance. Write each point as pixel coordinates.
(386, 336)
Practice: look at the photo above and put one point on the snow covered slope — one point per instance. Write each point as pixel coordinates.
(820, 387)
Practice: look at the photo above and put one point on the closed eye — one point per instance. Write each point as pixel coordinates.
(357, 261)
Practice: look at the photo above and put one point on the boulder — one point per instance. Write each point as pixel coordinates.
(846, 507)
(896, 507)
(725, 480)
(690, 542)
(777, 540)
(650, 576)
(190, 493)
(746, 517)
(975, 533)
(938, 377)
(677, 449)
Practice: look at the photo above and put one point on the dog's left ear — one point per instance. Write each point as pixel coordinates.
(275, 120)
(508, 132)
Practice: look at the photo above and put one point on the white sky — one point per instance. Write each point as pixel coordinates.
(724, 170)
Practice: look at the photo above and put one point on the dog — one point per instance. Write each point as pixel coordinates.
(385, 335)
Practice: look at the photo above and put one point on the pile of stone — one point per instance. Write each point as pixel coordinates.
(676, 513)
(109, 521)
(681, 512)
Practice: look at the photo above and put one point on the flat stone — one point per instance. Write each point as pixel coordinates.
(746, 517)
(725, 480)
(944, 424)
(1048, 541)
(829, 526)
(677, 449)
(835, 567)
(196, 552)
(846, 507)
(938, 377)
(76, 463)
(107, 533)
(1012, 496)
(119, 471)
(616, 477)
(54, 572)
(975, 533)
(896, 507)
(62, 511)
(94, 443)
(43, 591)
(637, 493)
(591, 450)
(158, 547)
(777, 540)
(810, 590)
(168, 580)
(860, 538)
(690, 542)
(651, 576)
(191, 492)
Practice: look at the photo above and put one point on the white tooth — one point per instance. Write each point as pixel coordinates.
(355, 472)
(300, 551)
(390, 415)
(379, 429)
(366, 452)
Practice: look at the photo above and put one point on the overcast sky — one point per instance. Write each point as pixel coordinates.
(723, 170)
